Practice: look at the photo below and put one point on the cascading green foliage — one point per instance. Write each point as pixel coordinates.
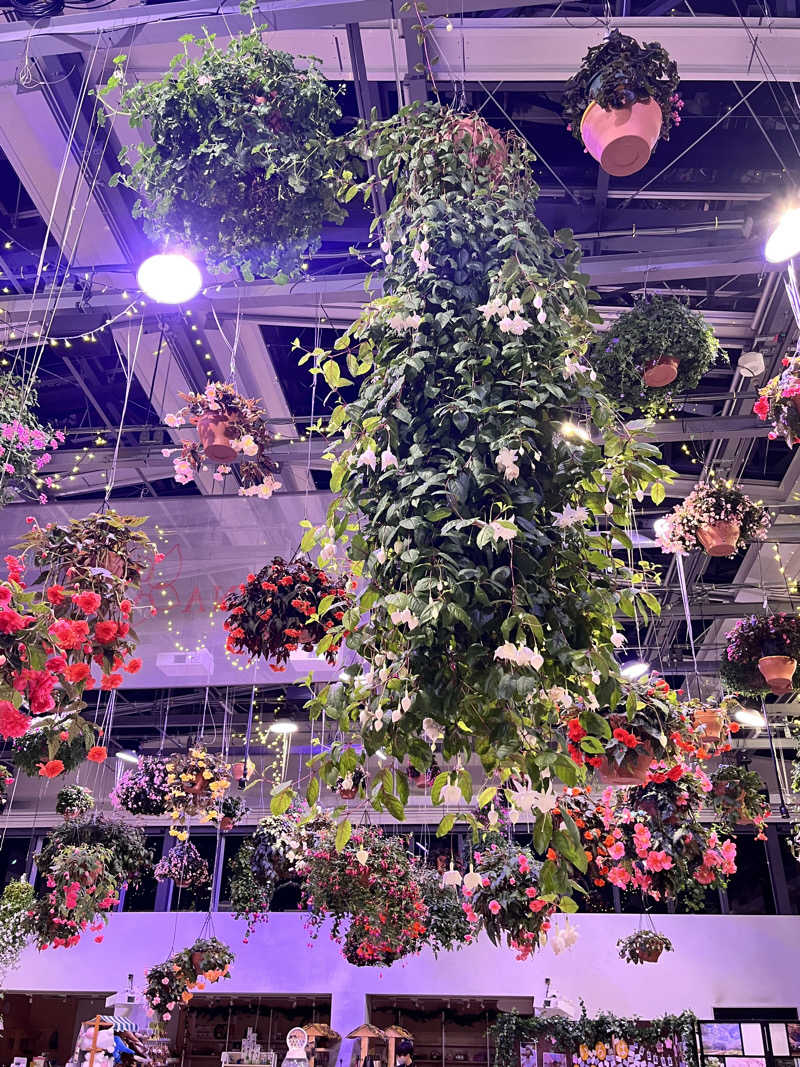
(242, 162)
(481, 522)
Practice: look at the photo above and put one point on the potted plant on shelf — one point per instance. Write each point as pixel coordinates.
(27, 444)
(779, 401)
(74, 800)
(253, 187)
(716, 516)
(230, 427)
(184, 865)
(645, 946)
(621, 100)
(144, 789)
(761, 654)
(653, 351)
(739, 796)
(505, 897)
(286, 606)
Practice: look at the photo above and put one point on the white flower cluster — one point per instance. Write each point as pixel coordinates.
(506, 461)
(520, 655)
(511, 320)
(405, 322)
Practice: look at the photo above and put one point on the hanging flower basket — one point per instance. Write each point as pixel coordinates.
(196, 782)
(658, 349)
(761, 654)
(27, 444)
(739, 796)
(232, 811)
(229, 426)
(645, 946)
(184, 865)
(709, 723)
(621, 100)
(485, 145)
(286, 606)
(349, 785)
(779, 402)
(717, 517)
(143, 790)
(170, 984)
(74, 800)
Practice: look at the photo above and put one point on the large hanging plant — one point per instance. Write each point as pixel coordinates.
(55, 745)
(81, 891)
(779, 401)
(184, 865)
(656, 333)
(26, 444)
(757, 646)
(129, 859)
(16, 913)
(506, 898)
(463, 496)
(229, 425)
(197, 780)
(717, 517)
(240, 161)
(370, 881)
(284, 607)
(619, 72)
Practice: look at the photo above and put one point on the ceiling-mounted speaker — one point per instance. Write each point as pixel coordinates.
(750, 364)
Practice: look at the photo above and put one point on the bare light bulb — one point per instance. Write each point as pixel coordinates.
(170, 278)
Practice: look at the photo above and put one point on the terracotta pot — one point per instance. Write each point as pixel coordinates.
(237, 770)
(304, 637)
(182, 884)
(660, 372)
(632, 772)
(214, 432)
(200, 785)
(111, 562)
(778, 672)
(621, 138)
(712, 723)
(650, 955)
(226, 823)
(480, 131)
(197, 960)
(720, 539)
(348, 794)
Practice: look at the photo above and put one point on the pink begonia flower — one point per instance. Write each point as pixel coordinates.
(619, 877)
(617, 851)
(494, 907)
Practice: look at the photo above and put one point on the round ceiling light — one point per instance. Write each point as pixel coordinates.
(170, 278)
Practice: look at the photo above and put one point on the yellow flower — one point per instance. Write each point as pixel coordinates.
(207, 774)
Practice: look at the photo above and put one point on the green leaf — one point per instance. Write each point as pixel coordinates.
(487, 795)
(312, 792)
(446, 825)
(343, 832)
(658, 493)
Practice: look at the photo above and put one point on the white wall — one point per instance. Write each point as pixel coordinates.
(732, 961)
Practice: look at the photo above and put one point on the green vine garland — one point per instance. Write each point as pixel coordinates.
(569, 1034)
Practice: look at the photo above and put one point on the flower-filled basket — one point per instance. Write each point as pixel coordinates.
(27, 444)
(621, 101)
(284, 607)
(739, 796)
(779, 402)
(170, 984)
(74, 800)
(184, 865)
(230, 427)
(144, 789)
(196, 783)
(717, 517)
(761, 655)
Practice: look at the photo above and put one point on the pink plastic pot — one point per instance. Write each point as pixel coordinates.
(621, 138)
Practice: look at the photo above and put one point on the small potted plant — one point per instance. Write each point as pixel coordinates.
(655, 350)
(74, 800)
(253, 187)
(739, 797)
(232, 810)
(284, 607)
(348, 786)
(144, 789)
(621, 100)
(229, 426)
(779, 401)
(27, 444)
(184, 865)
(645, 946)
(711, 724)
(761, 654)
(716, 516)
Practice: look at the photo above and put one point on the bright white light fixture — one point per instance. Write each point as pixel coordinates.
(784, 241)
(170, 278)
(571, 429)
(750, 717)
(283, 726)
(127, 757)
(634, 669)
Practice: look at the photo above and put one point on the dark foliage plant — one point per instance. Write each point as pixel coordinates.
(129, 858)
(654, 327)
(618, 72)
(241, 161)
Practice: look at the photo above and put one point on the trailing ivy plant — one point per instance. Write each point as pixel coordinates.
(241, 161)
(481, 523)
(654, 327)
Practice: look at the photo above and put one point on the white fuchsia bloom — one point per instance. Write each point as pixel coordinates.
(570, 516)
(367, 459)
(404, 616)
(506, 460)
(503, 529)
(388, 459)
(520, 655)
